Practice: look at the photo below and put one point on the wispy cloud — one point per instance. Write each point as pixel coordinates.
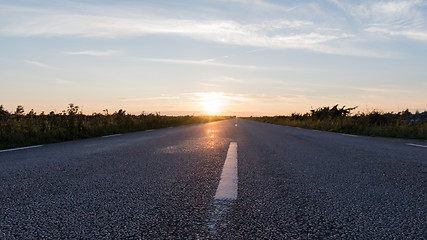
(235, 99)
(380, 9)
(142, 99)
(307, 26)
(215, 63)
(227, 79)
(206, 62)
(109, 23)
(211, 85)
(94, 53)
(220, 81)
(260, 4)
(403, 18)
(395, 8)
(411, 34)
(381, 90)
(220, 31)
(276, 99)
(38, 64)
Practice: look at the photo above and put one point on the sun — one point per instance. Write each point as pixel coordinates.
(211, 103)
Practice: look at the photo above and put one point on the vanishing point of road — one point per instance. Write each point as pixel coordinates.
(234, 179)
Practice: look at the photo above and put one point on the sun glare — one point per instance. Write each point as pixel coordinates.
(211, 103)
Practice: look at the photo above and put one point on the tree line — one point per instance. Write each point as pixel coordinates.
(340, 119)
(19, 129)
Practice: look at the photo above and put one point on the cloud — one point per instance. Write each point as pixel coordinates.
(234, 99)
(389, 18)
(259, 4)
(379, 9)
(381, 90)
(109, 23)
(307, 25)
(94, 53)
(206, 62)
(395, 7)
(276, 99)
(214, 63)
(209, 84)
(227, 79)
(142, 99)
(38, 64)
(411, 34)
(219, 31)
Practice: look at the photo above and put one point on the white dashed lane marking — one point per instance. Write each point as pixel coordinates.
(416, 145)
(113, 135)
(20, 148)
(227, 188)
(349, 135)
(226, 193)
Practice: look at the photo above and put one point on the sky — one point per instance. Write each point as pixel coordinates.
(225, 57)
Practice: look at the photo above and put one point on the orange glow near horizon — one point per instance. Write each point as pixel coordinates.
(211, 103)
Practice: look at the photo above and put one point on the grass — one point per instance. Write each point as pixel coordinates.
(18, 129)
(401, 125)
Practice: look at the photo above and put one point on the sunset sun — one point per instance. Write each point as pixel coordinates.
(211, 103)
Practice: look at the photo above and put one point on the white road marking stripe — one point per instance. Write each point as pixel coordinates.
(113, 135)
(149, 130)
(416, 145)
(226, 194)
(227, 188)
(20, 148)
(349, 135)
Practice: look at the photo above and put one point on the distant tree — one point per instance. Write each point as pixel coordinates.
(19, 110)
(3, 113)
(406, 113)
(72, 109)
(330, 113)
(31, 113)
(121, 112)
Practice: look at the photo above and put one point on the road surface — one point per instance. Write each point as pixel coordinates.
(277, 183)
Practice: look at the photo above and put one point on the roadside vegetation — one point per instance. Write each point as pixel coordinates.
(340, 119)
(18, 129)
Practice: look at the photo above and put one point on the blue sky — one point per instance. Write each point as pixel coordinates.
(248, 57)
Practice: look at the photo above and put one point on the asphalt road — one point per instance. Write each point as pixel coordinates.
(292, 184)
